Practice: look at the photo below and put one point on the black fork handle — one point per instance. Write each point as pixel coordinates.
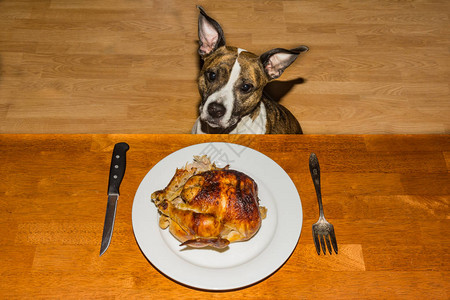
(314, 168)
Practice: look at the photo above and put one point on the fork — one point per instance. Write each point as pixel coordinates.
(322, 229)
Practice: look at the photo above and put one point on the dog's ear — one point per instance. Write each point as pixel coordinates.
(210, 33)
(277, 60)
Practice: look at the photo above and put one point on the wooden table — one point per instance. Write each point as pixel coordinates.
(387, 196)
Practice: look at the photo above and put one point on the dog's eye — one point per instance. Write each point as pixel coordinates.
(246, 87)
(211, 76)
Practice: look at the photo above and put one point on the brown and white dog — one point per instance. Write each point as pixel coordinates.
(231, 84)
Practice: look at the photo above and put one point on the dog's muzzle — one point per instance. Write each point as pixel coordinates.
(214, 114)
(216, 110)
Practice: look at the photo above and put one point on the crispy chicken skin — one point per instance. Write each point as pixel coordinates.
(207, 206)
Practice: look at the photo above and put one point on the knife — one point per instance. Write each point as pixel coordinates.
(116, 173)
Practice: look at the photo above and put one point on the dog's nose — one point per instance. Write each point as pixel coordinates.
(216, 110)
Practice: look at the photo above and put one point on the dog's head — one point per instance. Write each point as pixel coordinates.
(232, 80)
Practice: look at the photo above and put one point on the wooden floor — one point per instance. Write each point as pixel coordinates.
(120, 66)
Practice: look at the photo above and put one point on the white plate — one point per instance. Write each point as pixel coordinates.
(242, 263)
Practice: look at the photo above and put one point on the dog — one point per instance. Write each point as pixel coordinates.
(231, 83)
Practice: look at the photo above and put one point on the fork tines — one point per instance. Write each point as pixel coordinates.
(322, 237)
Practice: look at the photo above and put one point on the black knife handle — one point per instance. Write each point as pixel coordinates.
(117, 169)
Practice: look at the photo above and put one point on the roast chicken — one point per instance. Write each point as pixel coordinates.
(207, 206)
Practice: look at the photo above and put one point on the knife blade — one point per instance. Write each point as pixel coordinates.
(116, 173)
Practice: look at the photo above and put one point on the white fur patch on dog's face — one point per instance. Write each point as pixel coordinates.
(224, 96)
